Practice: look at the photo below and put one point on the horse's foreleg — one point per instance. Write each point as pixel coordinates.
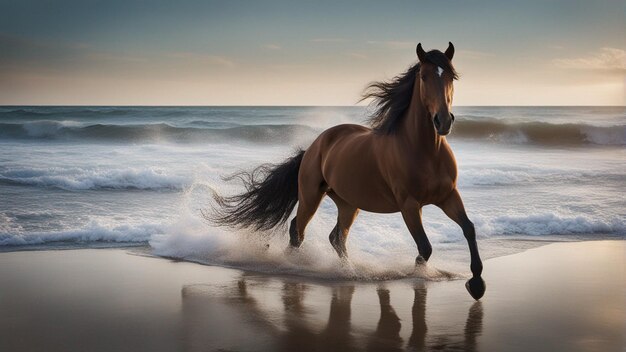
(346, 214)
(412, 215)
(453, 207)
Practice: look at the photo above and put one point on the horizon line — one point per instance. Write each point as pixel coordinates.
(286, 106)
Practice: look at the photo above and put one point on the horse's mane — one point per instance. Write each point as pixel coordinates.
(392, 98)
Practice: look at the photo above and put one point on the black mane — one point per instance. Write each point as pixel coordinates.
(392, 98)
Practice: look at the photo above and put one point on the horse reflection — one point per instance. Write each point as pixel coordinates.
(301, 334)
(387, 334)
(447, 341)
(337, 334)
(258, 315)
(417, 341)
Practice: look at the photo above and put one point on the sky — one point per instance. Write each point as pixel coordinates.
(275, 52)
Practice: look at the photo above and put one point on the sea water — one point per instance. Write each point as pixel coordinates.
(73, 177)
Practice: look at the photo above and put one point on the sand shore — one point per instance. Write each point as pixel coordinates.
(559, 297)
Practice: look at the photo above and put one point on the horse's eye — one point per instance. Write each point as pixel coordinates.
(423, 77)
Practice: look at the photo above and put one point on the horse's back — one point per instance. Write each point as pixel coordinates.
(342, 132)
(346, 157)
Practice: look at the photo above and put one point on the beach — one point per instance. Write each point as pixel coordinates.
(567, 296)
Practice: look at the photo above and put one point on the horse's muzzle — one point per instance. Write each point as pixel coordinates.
(441, 127)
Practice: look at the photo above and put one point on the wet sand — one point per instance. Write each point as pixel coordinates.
(559, 297)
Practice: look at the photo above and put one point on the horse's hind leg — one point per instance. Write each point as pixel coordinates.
(346, 214)
(307, 207)
(311, 190)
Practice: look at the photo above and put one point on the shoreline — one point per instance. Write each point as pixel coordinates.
(561, 296)
(439, 261)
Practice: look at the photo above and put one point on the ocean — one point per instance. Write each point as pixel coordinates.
(77, 177)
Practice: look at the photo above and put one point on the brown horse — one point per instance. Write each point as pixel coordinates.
(400, 164)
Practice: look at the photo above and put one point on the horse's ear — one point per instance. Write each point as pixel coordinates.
(450, 51)
(421, 54)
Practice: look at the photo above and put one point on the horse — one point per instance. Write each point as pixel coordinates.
(400, 163)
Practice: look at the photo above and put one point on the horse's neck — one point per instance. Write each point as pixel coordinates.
(418, 127)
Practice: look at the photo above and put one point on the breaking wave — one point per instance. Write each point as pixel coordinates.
(532, 133)
(540, 133)
(156, 132)
(92, 232)
(550, 225)
(76, 179)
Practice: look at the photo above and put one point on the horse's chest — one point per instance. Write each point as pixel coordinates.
(433, 185)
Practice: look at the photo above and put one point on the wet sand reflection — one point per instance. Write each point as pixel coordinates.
(284, 315)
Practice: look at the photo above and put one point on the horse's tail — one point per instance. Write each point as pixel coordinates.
(270, 196)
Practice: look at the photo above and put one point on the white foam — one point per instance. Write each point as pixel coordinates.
(376, 249)
(487, 176)
(605, 136)
(95, 178)
(490, 176)
(549, 224)
(194, 240)
(379, 246)
(92, 232)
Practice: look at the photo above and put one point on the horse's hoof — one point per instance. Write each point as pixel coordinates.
(420, 260)
(476, 287)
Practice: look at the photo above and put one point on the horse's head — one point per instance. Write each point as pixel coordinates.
(436, 75)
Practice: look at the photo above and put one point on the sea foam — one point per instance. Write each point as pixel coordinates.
(91, 232)
(95, 178)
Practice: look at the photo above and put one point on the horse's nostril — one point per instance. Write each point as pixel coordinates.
(436, 121)
(452, 116)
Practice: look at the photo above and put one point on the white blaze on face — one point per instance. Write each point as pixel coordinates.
(439, 71)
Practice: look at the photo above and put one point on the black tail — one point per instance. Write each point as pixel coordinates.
(271, 194)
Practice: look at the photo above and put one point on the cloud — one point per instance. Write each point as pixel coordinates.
(357, 56)
(608, 59)
(203, 58)
(272, 46)
(328, 40)
(109, 57)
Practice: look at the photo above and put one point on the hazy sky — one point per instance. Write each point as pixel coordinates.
(276, 52)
